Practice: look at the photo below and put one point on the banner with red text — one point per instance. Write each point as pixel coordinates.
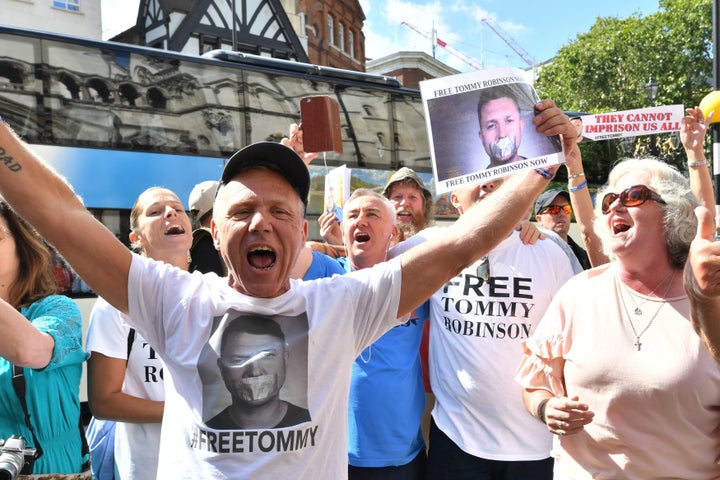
(632, 123)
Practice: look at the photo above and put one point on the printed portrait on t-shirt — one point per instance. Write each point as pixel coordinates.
(255, 373)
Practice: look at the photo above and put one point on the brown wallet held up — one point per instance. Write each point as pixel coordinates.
(320, 117)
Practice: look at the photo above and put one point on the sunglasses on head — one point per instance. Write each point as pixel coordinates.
(630, 197)
(555, 209)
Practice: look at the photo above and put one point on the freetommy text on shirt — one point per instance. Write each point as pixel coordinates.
(249, 441)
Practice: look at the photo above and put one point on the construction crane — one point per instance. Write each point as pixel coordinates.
(510, 42)
(436, 41)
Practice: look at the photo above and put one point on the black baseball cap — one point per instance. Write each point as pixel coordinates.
(276, 157)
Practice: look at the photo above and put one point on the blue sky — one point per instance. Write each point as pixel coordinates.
(539, 28)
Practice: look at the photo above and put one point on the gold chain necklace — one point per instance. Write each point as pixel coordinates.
(637, 343)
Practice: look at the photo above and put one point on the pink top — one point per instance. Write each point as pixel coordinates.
(657, 410)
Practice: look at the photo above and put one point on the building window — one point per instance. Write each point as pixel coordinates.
(341, 36)
(351, 43)
(209, 43)
(331, 30)
(72, 5)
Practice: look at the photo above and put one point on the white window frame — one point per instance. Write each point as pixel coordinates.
(341, 36)
(331, 29)
(69, 5)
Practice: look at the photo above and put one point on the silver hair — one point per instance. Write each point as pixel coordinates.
(679, 220)
(366, 192)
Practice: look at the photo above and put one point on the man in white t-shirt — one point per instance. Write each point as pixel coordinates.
(259, 228)
(480, 429)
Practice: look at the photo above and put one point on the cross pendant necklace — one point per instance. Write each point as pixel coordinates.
(638, 344)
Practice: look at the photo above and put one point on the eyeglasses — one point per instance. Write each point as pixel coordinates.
(630, 197)
(555, 209)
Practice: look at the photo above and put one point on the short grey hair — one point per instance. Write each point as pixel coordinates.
(366, 192)
(679, 219)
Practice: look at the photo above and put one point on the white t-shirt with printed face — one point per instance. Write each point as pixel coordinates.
(326, 323)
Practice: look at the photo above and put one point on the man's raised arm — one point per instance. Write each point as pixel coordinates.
(48, 203)
(427, 267)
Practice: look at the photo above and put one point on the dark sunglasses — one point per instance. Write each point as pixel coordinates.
(555, 209)
(630, 197)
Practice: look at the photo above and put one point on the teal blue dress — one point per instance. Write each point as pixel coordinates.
(52, 393)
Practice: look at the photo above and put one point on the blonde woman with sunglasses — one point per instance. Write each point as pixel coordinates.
(615, 369)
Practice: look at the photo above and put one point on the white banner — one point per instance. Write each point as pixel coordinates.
(632, 123)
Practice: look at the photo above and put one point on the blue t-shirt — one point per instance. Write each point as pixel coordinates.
(387, 396)
(52, 393)
(322, 266)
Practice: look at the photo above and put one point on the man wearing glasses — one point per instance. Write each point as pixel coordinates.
(553, 212)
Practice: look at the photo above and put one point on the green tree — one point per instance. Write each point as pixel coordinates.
(605, 69)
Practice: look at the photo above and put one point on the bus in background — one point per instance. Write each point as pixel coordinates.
(115, 119)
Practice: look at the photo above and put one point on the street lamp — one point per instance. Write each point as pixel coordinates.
(651, 90)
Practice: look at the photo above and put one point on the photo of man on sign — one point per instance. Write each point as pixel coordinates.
(482, 122)
(501, 125)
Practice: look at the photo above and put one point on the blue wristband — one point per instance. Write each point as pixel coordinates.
(546, 174)
(578, 187)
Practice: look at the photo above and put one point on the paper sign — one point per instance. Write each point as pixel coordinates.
(337, 190)
(480, 128)
(632, 123)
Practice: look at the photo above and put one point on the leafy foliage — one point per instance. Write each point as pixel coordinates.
(606, 68)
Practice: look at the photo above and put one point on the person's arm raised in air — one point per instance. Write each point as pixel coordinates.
(48, 203)
(295, 141)
(426, 267)
(583, 207)
(692, 135)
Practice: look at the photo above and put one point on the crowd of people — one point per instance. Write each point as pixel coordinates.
(228, 346)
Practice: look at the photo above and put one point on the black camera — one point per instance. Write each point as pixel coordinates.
(15, 458)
